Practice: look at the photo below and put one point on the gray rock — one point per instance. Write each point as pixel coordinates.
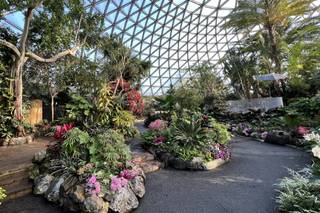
(178, 163)
(52, 193)
(42, 184)
(95, 204)
(77, 194)
(124, 201)
(137, 186)
(39, 156)
(197, 163)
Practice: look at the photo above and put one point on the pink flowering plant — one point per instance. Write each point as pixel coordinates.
(93, 186)
(157, 125)
(122, 180)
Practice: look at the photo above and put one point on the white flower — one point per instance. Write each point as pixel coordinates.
(314, 137)
(316, 151)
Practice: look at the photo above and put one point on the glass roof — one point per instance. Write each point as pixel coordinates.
(173, 35)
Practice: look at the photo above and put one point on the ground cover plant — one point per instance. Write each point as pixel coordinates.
(300, 191)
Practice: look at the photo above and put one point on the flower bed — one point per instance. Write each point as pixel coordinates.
(294, 137)
(189, 141)
(88, 172)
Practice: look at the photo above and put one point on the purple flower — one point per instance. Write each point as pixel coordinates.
(93, 186)
(118, 183)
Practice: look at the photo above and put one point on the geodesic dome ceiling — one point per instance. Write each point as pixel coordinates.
(173, 35)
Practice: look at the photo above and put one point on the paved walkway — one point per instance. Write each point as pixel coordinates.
(245, 185)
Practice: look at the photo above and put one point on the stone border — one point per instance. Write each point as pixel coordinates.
(17, 141)
(196, 164)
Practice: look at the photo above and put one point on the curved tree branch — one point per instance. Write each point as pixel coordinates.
(11, 46)
(71, 51)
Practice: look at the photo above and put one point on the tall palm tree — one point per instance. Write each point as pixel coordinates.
(271, 16)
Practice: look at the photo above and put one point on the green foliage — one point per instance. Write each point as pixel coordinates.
(75, 143)
(189, 135)
(240, 69)
(124, 121)
(106, 151)
(109, 153)
(188, 130)
(6, 105)
(299, 193)
(303, 111)
(120, 63)
(79, 109)
(219, 132)
(205, 90)
(106, 105)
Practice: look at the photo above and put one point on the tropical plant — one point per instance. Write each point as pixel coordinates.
(106, 105)
(75, 143)
(240, 68)
(190, 134)
(272, 16)
(120, 63)
(124, 121)
(79, 109)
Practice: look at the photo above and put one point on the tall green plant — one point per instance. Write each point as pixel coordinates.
(272, 16)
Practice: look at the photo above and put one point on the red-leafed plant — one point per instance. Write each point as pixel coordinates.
(62, 129)
(135, 101)
(133, 98)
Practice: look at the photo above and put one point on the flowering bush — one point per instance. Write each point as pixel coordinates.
(62, 129)
(93, 186)
(157, 125)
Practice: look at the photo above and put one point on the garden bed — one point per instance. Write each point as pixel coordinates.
(189, 141)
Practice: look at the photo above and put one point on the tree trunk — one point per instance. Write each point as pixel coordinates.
(52, 108)
(18, 87)
(274, 53)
